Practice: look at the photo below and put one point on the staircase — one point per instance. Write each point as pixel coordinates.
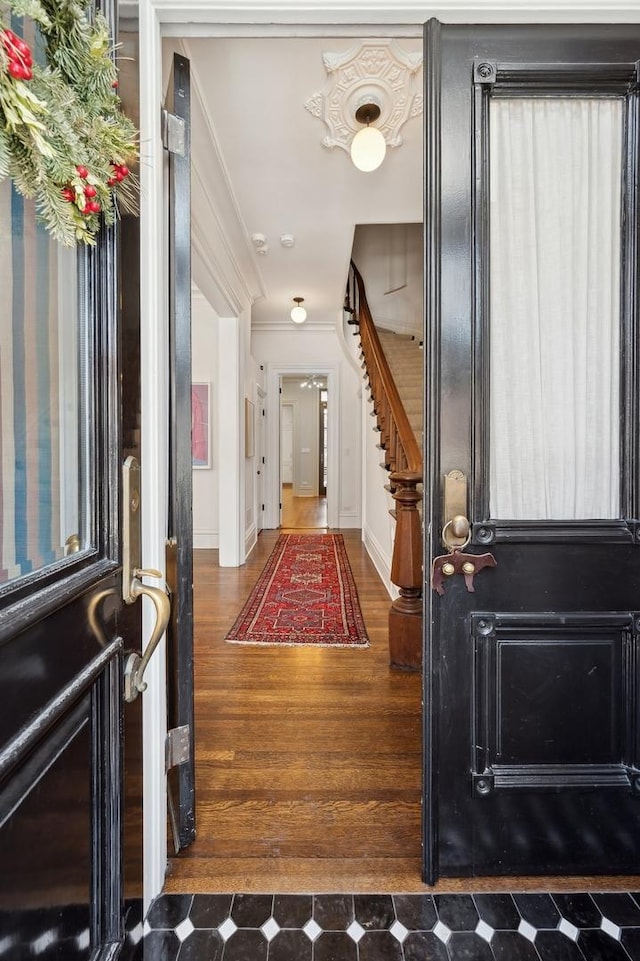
(405, 358)
(401, 440)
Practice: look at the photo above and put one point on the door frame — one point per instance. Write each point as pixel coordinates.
(273, 487)
(160, 18)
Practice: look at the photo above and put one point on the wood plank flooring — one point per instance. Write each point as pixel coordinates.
(308, 760)
(302, 512)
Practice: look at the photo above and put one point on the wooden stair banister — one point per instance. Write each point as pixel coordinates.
(403, 460)
(383, 387)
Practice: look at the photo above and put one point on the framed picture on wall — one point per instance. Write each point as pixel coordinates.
(249, 429)
(201, 426)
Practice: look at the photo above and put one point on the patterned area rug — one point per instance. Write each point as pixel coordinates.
(305, 595)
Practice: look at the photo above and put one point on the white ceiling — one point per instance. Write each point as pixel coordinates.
(259, 167)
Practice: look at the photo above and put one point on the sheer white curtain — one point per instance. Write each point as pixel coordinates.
(555, 209)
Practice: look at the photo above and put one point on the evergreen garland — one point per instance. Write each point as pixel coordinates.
(64, 140)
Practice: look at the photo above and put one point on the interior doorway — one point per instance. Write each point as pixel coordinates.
(303, 451)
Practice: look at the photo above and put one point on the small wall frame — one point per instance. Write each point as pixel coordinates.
(201, 426)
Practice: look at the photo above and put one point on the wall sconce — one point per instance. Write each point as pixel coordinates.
(298, 313)
(368, 147)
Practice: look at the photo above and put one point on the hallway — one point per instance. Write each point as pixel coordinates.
(307, 760)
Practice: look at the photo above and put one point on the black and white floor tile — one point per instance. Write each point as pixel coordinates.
(399, 927)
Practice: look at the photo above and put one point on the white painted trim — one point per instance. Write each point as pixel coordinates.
(250, 540)
(205, 540)
(154, 449)
(230, 450)
(272, 487)
(381, 561)
(362, 12)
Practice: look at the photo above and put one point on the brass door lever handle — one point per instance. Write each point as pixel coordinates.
(136, 664)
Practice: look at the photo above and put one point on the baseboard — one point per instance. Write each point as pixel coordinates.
(205, 540)
(250, 540)
(381, 562)
(348, 520)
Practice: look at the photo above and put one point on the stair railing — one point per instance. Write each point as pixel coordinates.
(403, 461)
(397, 439)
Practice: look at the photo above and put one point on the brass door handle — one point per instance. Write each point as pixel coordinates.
(136, 664)
(456, 533)
(132, 574)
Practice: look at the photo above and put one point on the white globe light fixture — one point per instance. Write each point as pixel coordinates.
(368, 147)
(298, 313)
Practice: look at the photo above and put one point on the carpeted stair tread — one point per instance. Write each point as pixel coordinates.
(405, 359)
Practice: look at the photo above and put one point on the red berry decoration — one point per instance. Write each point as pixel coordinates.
(18, 54)
(115, 84)
(23, 49)
(119, 176)
(90, 191)
(69, 194)
(93, 207)
(17, 70)
(111, 182)
(82, 171)
(124, 170)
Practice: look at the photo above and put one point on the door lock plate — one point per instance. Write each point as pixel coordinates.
(177, 746)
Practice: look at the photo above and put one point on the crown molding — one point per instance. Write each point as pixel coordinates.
(365, 12)
(224, 259)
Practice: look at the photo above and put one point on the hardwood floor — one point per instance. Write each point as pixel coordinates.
(308, 760)
(302, 512)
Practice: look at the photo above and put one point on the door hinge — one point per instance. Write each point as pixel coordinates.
(263, 460)
(173, 133)
(177, 747)
(262, 506)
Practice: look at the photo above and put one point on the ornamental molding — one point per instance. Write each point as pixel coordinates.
(374, 70)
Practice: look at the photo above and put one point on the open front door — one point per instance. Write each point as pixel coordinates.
(180, 721)
(70, 748)
(532, 652)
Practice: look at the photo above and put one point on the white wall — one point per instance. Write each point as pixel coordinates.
(204, 364)
(378, 526)
(390, 259)
(252, 452)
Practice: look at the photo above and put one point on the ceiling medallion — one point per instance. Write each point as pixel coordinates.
(376, 71)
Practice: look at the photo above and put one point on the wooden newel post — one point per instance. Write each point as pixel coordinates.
(405, 616)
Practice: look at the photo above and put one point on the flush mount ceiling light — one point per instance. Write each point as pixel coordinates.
(378, 72)
(298, 313)
(368, 147)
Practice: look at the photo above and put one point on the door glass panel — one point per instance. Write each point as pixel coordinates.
(555, 225)
(43, 408)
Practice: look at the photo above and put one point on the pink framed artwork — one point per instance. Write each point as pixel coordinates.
(201, 426)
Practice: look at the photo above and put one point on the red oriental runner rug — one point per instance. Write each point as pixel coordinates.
(305, 595)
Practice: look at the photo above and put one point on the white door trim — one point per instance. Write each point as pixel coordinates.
(272, 492)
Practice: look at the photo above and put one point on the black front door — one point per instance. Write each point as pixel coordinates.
(63, 627)
(180, 704)
(531, 664)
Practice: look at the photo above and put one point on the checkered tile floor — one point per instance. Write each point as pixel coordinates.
(399, 927)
